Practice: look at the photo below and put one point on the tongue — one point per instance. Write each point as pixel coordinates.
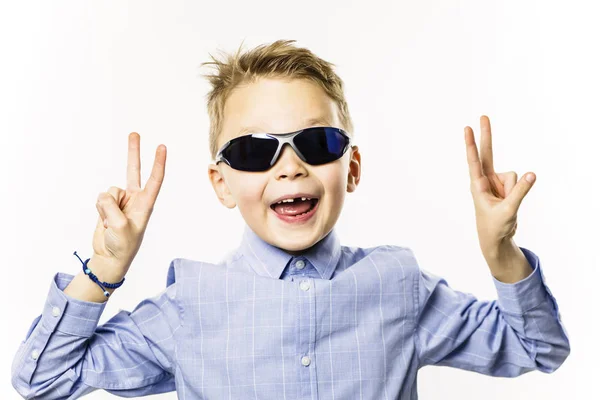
(295, 208)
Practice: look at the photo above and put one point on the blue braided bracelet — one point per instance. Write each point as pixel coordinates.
(94, 278)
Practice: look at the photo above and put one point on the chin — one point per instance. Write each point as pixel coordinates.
(293, 243)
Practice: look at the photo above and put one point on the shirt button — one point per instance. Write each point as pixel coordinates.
(304, 285)
(306, 361)
(35, 354)
(300, 264)
(55, 311)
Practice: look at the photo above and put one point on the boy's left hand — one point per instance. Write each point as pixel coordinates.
(497, 196)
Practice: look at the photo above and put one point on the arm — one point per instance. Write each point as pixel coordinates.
(518, 333)
(66, 354)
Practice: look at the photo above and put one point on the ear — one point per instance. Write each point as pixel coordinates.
(220, 187)
(354, 170)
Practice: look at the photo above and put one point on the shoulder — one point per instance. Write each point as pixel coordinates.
(385, 255)
(181, 269)
(385, 250)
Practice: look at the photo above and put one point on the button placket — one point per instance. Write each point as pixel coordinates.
(305, 285)
(307, 335)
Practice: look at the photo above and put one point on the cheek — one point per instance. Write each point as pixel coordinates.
(249, 189)
(334, 179)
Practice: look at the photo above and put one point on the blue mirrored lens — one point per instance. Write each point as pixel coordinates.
(321, 145)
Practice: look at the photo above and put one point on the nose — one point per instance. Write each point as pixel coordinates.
(289, 165)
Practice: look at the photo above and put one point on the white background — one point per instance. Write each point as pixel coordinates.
(76, 77)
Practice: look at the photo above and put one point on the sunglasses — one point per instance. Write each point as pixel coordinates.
(260, 151)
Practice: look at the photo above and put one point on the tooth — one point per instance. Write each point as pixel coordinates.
(303, 198)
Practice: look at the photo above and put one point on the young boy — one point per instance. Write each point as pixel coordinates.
(291, 314)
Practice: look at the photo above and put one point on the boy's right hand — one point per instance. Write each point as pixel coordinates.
(124, 214)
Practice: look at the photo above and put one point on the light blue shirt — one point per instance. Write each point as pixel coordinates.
(337, 322)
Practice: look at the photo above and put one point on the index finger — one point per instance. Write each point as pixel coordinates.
(157, 175)
(133, 162)
(472, 155)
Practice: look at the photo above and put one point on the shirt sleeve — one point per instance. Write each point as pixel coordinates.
(519, 332)
(66, 354)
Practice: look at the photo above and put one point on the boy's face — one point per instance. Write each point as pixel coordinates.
(281, 106)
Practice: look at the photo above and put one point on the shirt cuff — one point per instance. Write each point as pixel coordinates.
(67, 314)
(526, 294)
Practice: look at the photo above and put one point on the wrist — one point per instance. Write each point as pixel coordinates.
(501, 250)
(105, 270)
(103, 278)
(507, 262)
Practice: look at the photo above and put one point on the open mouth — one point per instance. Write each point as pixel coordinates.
(295, 207)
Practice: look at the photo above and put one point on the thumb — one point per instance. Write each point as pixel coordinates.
(109, 210)
(520, 190)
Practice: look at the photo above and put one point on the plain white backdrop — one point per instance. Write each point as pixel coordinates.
(76, 77)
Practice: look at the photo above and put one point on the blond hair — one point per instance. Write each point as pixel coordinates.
(279, 59)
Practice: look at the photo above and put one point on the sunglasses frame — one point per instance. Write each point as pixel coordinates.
(282, 139)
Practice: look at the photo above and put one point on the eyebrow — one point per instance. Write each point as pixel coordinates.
(320, 121)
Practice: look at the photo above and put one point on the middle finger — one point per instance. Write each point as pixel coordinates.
(487, 158)
(133, 162)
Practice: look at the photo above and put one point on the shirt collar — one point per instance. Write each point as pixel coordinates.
(270, 261)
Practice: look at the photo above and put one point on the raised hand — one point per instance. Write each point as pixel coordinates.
(124, 214)
(497, 196)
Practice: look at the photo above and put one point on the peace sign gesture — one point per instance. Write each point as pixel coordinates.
(497, 196)
(124, 214)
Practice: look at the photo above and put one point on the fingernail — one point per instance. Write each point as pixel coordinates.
(106, 222)
(530, 178)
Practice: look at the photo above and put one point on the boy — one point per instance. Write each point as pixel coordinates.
(291, 314)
